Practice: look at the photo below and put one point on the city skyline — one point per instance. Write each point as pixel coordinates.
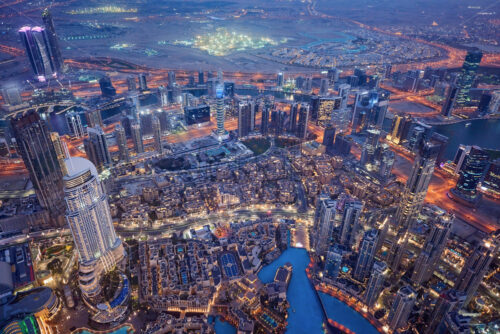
(250, 166)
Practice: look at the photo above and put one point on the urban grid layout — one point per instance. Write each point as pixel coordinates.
(250, 166)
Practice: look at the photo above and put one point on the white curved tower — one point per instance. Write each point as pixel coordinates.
(89, 219)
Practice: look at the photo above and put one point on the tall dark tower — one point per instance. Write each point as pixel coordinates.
(36, 42)
(55, 51)
(35, 146)
(469, 70)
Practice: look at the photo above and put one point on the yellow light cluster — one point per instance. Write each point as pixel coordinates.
(222, 42)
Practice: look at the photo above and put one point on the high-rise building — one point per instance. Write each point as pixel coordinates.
(137, 137)
(344, 90)
(279, 79)
(366, 255)
(470, 175)
(89, 218)
(370, 146)
(401, 307)
(454, 323)
(327, 107)
(349, 224)
(417, 184)
(36, 42)
(121, 142)
(163, 96)
(143, 83)
(219, 109)
(412, 198)
(449, 102)
(460, 157)
(294, 111)
(35, 146)
(342, 145)
(303, 121)
(74, 123)
(329, 138)
(467, 76)
(434, 245)
(55, 51)
(131, 85)
(11, 95)
(107, 89)
(476, 267)
(375, 283)
(326, 210)
(96, 148)
(323, 88)
(386, 161)
(264, 123)
(93, 118)
(448, 301)
(201, 78)
(60, 150)
(171, 79)
(244, 119)
(484, 104)
(491, 182)
(400, 128)
(333, 262)
(157, 135)
(229, 89)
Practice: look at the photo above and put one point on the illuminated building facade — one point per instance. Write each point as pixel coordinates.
(121, 142)
(89, 219)
(433, 248)
(375, 284)
(36, 42)
(219, 110)
(467, 76)
(35, 146)
(55, 51)
(401, 308)
(470, 175)
(477, 266)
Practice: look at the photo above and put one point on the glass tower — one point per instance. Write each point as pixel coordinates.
(469, 69)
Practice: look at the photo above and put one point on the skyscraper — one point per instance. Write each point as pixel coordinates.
(366, 255)
(333, 261)
(344, 90)
(37, 46)
(433, 248)
(143, 83)
(349, 223)
(96, 148)
(244, 119)
(157, 135)
(107, 89)
(448, 301)
(264, 123)
(121, 142)
(294, 110)
(303, 121)
(454, 323)
(401, 307)
(449, 102)
(413, 198)
(471, 174)
(201, 78)
(328, 138)
(279, 79)
(90, 221)
(55, 51)
(93, 118)
(476, 267)
(467, 76)
(74, 122)
(35, 146)
(60, 151)
(131, 85)
(370, 146)
(219, 109)
(491, 182)
(417, 184)
(326, 210)
(375, 284)
(137, 137)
